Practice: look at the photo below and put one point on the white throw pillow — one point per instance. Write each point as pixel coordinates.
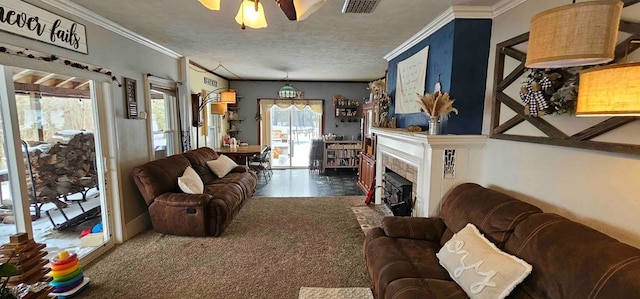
(479, 267)
(190, 182)
(222, 165)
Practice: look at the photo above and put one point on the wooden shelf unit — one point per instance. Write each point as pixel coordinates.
(341, 154)
(367, 168)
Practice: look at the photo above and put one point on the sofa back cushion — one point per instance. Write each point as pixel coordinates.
(495, 214)
(571, 260)
(160, 176)
(198, 159)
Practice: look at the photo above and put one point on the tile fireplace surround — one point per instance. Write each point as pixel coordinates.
(441, 162)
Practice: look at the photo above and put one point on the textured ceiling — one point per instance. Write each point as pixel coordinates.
(328, 46)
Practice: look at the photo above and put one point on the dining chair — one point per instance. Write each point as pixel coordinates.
(261, 164)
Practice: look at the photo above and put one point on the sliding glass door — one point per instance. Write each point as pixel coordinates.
(51, 174)
(289, 126)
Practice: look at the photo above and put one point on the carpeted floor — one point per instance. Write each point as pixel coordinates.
(272, 248)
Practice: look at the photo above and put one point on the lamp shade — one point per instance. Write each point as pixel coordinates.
(211, 4)
(228, 96)
(304, 8)
(249, 16)
(577, 34)
(218, 108)
(287, 91)
(610, 90)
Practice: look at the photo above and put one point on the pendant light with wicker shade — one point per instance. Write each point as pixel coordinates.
(576, 34)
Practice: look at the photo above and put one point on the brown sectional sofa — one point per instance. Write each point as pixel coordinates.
(177, 213)
(569, 260)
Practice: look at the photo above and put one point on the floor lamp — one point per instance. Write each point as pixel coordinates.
(219, 105)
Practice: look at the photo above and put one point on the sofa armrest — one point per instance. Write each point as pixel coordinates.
(429, 229)
(240, 169)
(182, 199)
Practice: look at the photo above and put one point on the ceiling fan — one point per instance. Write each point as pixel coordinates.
(288, 8)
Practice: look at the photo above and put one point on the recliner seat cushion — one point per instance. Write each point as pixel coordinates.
(160, 176)
(198, 159)
(389, 259)
(571, 260)
(495, 214)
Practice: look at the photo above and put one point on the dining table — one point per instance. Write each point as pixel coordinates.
(242, 153)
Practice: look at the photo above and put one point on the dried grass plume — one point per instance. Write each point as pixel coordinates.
(437, 104)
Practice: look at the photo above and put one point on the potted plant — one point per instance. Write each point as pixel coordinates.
(7, 270)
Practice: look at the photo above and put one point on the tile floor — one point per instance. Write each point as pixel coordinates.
(305, 183)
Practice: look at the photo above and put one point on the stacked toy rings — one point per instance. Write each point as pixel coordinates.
(67, 275)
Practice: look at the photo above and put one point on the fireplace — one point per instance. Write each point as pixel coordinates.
(432, 163)
(397, 193)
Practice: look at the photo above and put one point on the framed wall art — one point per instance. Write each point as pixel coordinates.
(131, 98)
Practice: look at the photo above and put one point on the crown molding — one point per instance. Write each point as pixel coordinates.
(452, 13)
(77, 10)
(472, 12)
(430, 29)
(504, 6)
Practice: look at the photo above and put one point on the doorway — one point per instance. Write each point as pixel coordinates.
(289, 126)
(53, 187)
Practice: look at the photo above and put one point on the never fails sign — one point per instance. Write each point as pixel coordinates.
(26, 20)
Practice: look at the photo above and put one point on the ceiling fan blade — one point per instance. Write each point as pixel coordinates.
(288, 8)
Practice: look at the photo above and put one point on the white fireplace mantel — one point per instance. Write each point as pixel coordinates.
(442, 161)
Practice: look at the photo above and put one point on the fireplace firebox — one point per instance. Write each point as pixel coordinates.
(397, 193)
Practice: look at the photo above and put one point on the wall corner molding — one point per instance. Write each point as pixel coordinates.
(472, 12)
(80, 11)
(504, 6)
(454, 12)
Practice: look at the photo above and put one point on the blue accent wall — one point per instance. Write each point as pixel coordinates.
(459, 53)
(438, 63)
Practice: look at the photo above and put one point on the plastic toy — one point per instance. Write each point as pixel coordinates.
(68, 279)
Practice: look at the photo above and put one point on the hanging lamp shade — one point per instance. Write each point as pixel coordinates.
(218, 108)
(211, 4)
(287, 91)
(304, 8)
(251, 14)
(612, 90)
(228, 96)
(577, 34)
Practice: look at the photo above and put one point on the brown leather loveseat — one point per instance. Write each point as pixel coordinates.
(177, 213)
(568, 259)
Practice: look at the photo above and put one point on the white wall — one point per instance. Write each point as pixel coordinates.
(125, 58)
(599, 189)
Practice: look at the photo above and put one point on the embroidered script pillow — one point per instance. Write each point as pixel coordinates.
(190, 182)
(479, 267)
(222, 165)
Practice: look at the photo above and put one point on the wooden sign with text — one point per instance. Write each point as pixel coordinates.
(26, 20)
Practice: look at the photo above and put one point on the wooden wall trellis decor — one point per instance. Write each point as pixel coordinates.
(582, 139)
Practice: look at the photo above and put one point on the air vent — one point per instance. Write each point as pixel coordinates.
(359, 6)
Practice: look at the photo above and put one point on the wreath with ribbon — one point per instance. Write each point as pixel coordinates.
(550, 91)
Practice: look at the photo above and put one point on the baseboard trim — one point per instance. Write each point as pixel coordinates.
(138, 225)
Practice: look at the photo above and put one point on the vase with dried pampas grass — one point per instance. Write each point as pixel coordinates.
(436, 105)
